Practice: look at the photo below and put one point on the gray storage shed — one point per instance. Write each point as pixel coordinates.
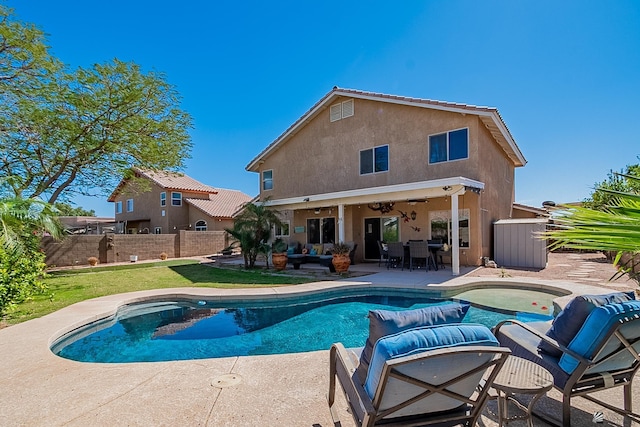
(516, 244)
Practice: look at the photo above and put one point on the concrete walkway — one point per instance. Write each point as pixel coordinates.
(41, 389)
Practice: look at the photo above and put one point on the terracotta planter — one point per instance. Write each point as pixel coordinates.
(279, 261)
(341, 263)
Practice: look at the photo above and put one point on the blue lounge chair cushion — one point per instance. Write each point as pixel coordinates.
(418, 340)
(567, 324)
(595, 329)
(385, 322)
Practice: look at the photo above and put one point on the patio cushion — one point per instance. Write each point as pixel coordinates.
(595, 329)
(421, 339)
(385, 322)
(567, 324)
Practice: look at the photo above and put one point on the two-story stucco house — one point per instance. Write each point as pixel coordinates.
(361, 166)
(166, 202)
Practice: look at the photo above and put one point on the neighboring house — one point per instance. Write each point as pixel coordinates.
(361, 166)
(168, 202)
(87, 224)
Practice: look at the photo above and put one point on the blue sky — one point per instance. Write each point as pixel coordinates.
(565, 75)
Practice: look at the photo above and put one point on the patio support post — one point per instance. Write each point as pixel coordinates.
(341, 223)
(455, 236)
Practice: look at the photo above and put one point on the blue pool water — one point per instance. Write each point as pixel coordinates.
(184, 330)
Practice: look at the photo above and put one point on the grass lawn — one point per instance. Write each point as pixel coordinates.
(71, 286)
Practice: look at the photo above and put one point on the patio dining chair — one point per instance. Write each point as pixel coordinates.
(395, 254)
(603, 354)
(417, 251)
(384, 254)
(432, 375)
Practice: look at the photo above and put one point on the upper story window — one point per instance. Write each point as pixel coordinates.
(374, 160)
(119, 207)
(448, 146)
(341, 110)
(267, 180)
(129, 205)
(176, 198)
(201, 225)
(163, 199)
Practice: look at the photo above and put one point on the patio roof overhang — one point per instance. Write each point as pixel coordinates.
(389, 193)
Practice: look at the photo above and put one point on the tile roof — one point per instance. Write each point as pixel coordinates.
(489, 116)
(223, 204)
(167, 180)
(176, 181)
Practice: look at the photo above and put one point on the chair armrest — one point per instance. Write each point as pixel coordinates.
(341, 364)
(544, 338)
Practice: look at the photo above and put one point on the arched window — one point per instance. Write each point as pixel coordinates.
(201, 225)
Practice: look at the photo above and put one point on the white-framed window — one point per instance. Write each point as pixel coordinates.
(449, 146)
(163, 213)
(267, 180)
(163, 198)
(119, 207)
(201, 225)
(157, 230)
(282, 230)
(341, 110)
(129, 205)
(176, 198)
(440, 222)
(374, 160)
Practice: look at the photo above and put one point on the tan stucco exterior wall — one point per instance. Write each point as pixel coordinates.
(146, 206)
(324, 157)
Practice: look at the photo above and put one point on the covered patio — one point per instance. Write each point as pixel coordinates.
(419, 210)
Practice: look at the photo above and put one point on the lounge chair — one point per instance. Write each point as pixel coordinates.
(602, 354)
(421, 376)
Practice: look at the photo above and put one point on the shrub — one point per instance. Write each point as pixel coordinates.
(20, 274)
(164, 256)
(93, 261)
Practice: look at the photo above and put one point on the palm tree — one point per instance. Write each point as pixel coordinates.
(20, 218)
(614, 227)
(252, 229)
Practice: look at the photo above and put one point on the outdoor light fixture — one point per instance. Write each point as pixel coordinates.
(317, 211)
(413, 215)
(446, 188)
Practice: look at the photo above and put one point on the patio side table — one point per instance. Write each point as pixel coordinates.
(520, 376)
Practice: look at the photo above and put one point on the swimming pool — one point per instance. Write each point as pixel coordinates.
(192, 329)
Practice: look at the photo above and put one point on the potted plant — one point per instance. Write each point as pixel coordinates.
(279, 254)
(341, 260)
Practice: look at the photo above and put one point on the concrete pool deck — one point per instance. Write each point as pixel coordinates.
(41, 389)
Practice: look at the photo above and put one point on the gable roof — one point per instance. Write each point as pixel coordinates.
(223, 204)
(489, 116)
(167, 180)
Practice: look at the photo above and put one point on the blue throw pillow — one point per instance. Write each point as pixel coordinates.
(594, 330)
(313, 252)
(290, 251)
(385, 322)
(418, 340)
(567, 324)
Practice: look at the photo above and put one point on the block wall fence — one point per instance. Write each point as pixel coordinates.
(112, 248)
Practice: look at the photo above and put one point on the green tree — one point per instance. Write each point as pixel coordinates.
(612, 227)
(80, 131)
(22, 223)
(252, 229)
(615, 182)
(66, 209)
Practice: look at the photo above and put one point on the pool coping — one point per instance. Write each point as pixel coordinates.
(50, 390)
